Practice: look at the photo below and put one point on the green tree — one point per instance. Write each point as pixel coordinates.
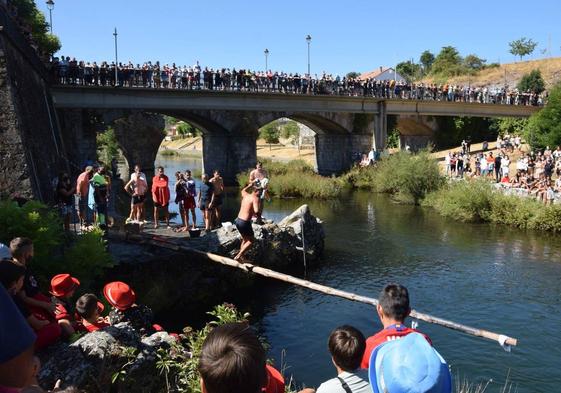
(352, 75)
(532, 82)
(448, 62)
(522, 47)
(270, 133)
(474, 63)
(290, 130)
(107, 146)
(509, 125)
(32, 17)
(426, 59)
(408, 70)
(544, 127)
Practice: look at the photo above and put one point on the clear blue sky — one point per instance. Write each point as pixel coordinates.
(350, 35)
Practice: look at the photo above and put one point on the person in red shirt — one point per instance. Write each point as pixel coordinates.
(89, 308)
(160, 195)
(393, 308)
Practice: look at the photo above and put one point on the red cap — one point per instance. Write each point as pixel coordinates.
(119, 295)
(275, 381)
(63, 284)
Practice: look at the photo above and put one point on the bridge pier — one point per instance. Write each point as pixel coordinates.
(380, 139)
(139, 136)
(79, 131)
(231, 154)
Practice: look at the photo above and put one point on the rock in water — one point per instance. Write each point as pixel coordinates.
(91, 361)
(277, 246)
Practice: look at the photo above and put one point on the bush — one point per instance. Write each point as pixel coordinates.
(296, 179)
(409, 177)
(84, 256)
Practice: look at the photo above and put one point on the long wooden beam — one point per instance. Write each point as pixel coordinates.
(248, 267)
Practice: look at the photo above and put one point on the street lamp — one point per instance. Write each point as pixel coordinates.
(51, 7)
(116, 61)
(308, 40)
(266, 59)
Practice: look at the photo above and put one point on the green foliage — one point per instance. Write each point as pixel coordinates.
(85, 256)
(296, 179)
(532, 82)
(544, 127)
(31, 16)
(427, 59)
(409, 70)
(289, 130)
(179, 364)
(448, 63)
(474, 63)
(479, 201)
(509, 125)
(522, 47)
(168, 153)
(352, 75)
(270, 133)
(186, 129)
(408, 177)
(107, 146)
(451, 130)
(393, 139)
(35, 221)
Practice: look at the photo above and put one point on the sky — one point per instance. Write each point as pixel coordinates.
(348, 35)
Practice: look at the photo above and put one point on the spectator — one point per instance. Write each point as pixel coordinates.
(63, 288)
(89, 308)
(65, 199)
(410, 364)
(206, 201)
(393, 309)
(160, 195)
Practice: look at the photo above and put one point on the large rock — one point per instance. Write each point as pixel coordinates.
(91, 362)
(277, 246)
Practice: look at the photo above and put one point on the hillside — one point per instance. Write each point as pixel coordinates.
(512, 72)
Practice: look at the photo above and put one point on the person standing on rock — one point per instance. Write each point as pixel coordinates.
(249, 206)
(190, 203)
(160, 195)
(218, 185)
(259, 174)
(206, 201)
(82, 190)
(137, 186)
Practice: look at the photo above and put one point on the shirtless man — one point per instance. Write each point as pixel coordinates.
(249, 206)
(259, 174)
(218, 184)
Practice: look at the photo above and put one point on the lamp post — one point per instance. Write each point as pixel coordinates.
(51, 7)
(266, 59)
(308, 40)
(116, 58)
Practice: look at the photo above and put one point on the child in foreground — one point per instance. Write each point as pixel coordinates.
(89, 309)
(124, 308)
(63, 288)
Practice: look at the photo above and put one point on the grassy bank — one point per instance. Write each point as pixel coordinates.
(479, 201)
(297, 179)
(407, 177)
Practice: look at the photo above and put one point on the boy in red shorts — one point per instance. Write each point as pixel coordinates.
(393, 308)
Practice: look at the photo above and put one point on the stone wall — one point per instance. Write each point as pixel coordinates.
(31, 149)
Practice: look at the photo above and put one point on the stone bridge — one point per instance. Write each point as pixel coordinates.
(230, 122)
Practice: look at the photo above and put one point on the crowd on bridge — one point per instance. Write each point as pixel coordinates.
(69, 71)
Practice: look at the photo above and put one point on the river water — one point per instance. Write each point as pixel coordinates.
(491, 277)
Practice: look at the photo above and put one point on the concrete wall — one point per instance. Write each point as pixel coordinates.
(31, 148)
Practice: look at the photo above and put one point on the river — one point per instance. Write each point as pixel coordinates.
(491, 277)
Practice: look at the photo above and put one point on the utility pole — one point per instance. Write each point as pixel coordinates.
(51, 7)
(309, 40)
(116, 58)
(266, 59)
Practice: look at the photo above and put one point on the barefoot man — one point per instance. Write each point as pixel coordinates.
(249, 206)
(259, 174)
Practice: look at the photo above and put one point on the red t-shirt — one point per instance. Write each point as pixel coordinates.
(92, 327)
(390, 333)
(275, 381)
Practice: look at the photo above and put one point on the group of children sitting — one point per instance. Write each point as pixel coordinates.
(57, 315)
(395, 360)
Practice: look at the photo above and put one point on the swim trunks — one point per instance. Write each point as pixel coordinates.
(244, 227)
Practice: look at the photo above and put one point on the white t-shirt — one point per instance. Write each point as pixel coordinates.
(357, 382)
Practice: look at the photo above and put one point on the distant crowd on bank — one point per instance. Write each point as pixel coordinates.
(532, 175)
(69, 71)
(232, 358)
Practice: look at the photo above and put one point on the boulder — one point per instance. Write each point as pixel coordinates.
(277, 246)
(91, 362)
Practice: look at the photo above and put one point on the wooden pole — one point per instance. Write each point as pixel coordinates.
(248, 267)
